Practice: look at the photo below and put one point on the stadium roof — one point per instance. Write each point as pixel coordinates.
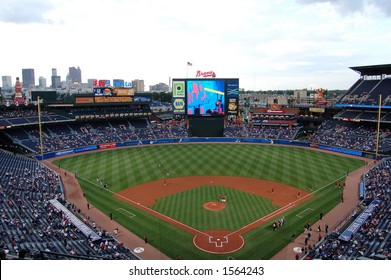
(373, 69)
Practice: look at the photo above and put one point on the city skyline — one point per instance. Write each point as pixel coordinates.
(268, 45)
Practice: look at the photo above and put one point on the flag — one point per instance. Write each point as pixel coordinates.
(189, 64)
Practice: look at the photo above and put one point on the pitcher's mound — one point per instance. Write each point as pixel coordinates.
(214, 206)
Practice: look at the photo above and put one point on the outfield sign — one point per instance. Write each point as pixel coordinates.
(63, 153)
(107, 146)
(86, 149)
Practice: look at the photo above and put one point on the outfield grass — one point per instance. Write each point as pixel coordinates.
(297, 167)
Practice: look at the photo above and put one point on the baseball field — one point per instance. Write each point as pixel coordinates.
(173, 194)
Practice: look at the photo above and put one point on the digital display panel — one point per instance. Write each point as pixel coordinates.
(233, 96)
(205, 97)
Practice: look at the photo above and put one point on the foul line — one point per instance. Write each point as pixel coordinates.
(263, 219)
(283, 209)
(149, 209)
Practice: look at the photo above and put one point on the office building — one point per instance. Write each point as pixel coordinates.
(42, 82)
(74, 75)
(138, 85)
(6, 82)
(28, 78)
(56, 80)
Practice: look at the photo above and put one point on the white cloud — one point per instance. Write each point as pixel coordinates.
(267, 44)
(24, 11)
(346, 7)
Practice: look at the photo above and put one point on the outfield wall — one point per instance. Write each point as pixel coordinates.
(203, 140)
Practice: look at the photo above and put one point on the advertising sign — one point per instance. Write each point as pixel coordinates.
(113, 99)
(233, 105)
(179, 106)
(123, 91)
(143, 98)
(232, 96)
(102, 83)
(102, 91)
(178, 88)
(84, 100)
(121, 83)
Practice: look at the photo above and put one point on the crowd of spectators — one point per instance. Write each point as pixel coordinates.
(72, 135)
(351, 135)
(20, 113)
(30, 225)
(373, 238)
(261, 132)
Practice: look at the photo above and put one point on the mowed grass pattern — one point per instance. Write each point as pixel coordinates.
(124, 168)
(241, 208)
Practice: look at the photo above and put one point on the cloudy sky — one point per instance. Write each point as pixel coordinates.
(276, 44)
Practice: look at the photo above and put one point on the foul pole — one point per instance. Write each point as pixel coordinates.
(40, 126)
(378, 127)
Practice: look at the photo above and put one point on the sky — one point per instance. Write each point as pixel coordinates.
(268, 45)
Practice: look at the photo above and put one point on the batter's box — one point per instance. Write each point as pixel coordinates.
(302, 212)
(218, 241)
(126, 212)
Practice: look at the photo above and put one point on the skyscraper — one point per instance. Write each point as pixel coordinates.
(6, 81)
(56, 80)
(75, 75)
(28, 78)
(42, 82)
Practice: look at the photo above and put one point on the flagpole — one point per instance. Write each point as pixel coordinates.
(187, 68)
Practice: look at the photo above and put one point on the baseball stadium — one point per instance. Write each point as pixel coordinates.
(216, 174)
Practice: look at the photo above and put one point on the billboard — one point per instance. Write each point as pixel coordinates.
(143, 98)
(205, 97)
(103, 91)
(123, 91)
(179, 106)
(84, 100)
(178, 89)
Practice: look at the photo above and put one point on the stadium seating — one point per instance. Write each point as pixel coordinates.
(352, 135)
(31, 224)
(373, 238)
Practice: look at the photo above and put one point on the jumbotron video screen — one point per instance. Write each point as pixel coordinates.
(205, 97)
